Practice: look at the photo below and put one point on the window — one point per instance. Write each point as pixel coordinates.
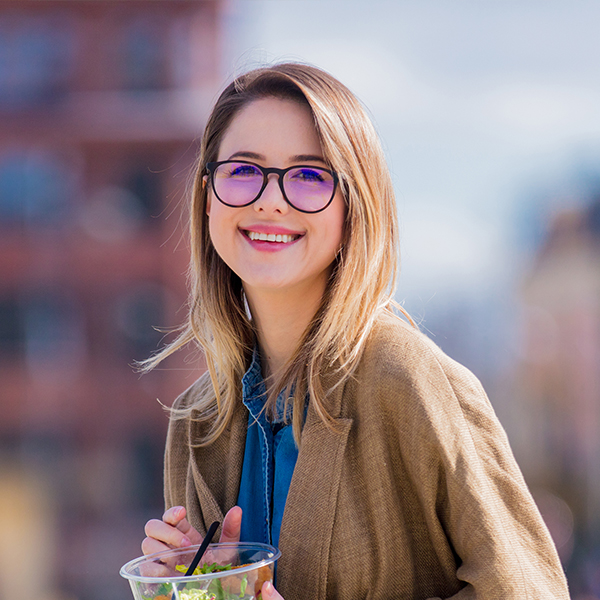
(11, 330)
(143, 61)
(36, 60)
(35, 189)
(138, 313)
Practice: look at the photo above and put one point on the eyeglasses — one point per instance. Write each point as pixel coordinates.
(306, 188)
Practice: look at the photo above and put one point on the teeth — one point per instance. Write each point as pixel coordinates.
(271, 237)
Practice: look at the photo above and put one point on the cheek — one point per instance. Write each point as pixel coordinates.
(329, 237)
(338, 226)
(222, 230)
(215, 223)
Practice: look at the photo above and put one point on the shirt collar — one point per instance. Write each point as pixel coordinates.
(254, 391)
(253, 384)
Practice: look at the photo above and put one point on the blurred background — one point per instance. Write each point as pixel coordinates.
(489, 117)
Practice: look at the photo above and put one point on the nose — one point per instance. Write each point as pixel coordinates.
(272, 200)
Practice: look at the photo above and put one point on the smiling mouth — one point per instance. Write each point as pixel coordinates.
(282, 238)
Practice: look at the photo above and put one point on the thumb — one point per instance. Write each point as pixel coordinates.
(232, 524)
(269, 592)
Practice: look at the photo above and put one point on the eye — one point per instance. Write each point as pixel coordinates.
(239, 170)
(308, 175)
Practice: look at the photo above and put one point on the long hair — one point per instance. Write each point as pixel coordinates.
(363, 278)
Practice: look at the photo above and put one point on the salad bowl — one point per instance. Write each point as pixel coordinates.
(234, 571)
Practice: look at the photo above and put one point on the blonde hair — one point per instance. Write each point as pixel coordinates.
(363, 278)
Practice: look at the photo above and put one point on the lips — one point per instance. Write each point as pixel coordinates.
(270, 234)
(283, 238)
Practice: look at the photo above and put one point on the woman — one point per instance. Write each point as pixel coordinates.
(396, 478)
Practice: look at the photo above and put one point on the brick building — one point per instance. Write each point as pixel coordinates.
(100, 107)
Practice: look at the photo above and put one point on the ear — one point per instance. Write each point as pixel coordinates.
(208, 194)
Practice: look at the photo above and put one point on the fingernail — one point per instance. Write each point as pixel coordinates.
(185, 542)
(268, 588)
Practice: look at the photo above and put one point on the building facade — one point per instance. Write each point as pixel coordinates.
(101, 105)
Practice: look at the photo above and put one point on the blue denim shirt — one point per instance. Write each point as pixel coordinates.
(269, 459)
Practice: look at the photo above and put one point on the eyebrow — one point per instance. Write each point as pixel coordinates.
(295, 158)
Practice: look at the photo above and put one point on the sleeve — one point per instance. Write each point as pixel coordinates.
(177, 447)
(193, 478)
(175, 464)
(484, 505)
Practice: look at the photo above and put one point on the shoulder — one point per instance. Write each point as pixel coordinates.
(398, 351)
(406, 376)
(191, 408)
(407, 392)
(196, 396)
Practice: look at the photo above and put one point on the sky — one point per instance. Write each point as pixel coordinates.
(488, 112)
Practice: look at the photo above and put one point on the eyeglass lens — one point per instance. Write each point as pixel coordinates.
(307, 188)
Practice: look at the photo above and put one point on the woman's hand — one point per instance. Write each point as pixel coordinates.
(269, 592)
(175, 531)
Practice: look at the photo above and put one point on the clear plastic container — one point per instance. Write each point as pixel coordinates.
(161, 576)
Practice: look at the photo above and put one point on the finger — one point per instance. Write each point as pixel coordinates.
(232, 524)
(155, 569)
(189, 531)
(175, 516)
(269, 592)
(167, 534)
(151, 545)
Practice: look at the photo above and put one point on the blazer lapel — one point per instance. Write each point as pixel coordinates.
(202, 505)
(216, 471)
(307, 524)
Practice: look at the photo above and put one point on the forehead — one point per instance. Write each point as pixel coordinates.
(273, 128)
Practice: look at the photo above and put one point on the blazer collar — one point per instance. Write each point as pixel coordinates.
(308, 519)
(311, 505)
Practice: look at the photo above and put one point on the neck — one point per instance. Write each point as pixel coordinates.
(281, 318)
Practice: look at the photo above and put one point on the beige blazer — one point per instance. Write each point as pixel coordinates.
(416, 495)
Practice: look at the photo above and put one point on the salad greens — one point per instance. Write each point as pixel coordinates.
(214, 591)
(227, 587)
(204, 569)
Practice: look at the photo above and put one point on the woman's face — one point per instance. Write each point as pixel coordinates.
(276, 133)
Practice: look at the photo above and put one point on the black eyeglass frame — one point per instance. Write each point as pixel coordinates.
(266, 171)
